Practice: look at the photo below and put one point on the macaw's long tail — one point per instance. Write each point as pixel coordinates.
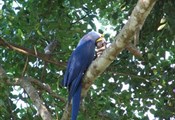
(76, 103)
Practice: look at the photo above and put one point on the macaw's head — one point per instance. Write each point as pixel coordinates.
(97, 38)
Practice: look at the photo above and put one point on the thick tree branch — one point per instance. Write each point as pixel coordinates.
(40, 85)
(137, 19)
(44, 113)
(25, 83)
(26, 51)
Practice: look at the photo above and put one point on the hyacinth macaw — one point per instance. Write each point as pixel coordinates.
(78, 63)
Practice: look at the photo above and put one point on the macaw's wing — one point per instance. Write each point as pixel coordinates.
(77, 65)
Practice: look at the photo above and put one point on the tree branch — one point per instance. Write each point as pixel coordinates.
(37, 83)
(133, 50)
(26, 51)
(25, 82)
(46, 88)
(67, 112)
(131, 75)
(2, 72)
(44, 113)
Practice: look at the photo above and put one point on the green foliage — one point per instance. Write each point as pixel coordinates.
(150, 80)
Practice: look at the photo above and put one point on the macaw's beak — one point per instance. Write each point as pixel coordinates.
(101, 46)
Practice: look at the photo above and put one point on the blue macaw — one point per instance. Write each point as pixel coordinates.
(78, 63)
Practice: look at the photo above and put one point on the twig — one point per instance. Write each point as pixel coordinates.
(67, 112)
(46, 88)
(131, 75)
(133, 50)
(25, 67)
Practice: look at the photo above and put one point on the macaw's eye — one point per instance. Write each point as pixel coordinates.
(101, 44)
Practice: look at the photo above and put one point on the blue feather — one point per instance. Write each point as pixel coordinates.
(78, 63)
(76, 102)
